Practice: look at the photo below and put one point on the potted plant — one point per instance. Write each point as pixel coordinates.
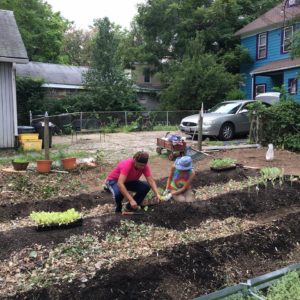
(43, 166)
(68, 163)
(20, 163)
(222, 164)
(56, 220)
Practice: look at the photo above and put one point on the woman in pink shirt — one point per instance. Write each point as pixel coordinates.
(125, 177)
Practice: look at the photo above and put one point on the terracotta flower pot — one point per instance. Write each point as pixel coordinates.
(43, 166)
(20, 166)
(69, 163)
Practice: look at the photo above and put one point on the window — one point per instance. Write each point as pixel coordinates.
(146, 75)
(287, 34)
(293, 2)
(261, 46)
(260, 88)
(225, 108)
(292, 86)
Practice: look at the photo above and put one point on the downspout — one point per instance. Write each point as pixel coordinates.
(14, 94)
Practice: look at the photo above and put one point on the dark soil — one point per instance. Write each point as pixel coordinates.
(187, 271)
(183, 271)
(208, 177)
(179, 216)
(11, 210)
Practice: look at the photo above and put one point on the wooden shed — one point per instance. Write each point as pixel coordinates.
(12, 51)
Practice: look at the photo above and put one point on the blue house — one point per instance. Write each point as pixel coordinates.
(268, 40)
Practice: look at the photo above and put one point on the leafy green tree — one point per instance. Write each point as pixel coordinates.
(198, 78)
(77, 45)
(106, 81)
(167, 26)
(42, 30)
(30, 96)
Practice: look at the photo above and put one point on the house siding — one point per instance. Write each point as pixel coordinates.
(273, 53)
(7, 135)
(289, 74)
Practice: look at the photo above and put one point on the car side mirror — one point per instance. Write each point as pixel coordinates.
(244, 111)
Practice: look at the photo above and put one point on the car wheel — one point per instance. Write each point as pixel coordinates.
(226, 132)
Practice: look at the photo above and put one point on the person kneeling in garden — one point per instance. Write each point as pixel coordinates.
(125, 177)
(180, 179)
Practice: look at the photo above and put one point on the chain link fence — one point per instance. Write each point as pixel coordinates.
(135, 120)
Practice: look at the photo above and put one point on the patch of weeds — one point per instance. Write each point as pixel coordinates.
(102, 176)
(78, 154)
(77, 247)
(213, 143)
(20, 183)
(161, 127)
(40, 280)
(60, 146)
(100, 155)
(130, 231)
(49, 191)
(74, 185)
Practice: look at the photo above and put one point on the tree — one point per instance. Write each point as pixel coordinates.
(30, 95)
(41, 29)
(197, 78)
(77, 45)
(167, 26)
(106, 81)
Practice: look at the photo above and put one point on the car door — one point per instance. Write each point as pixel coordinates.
(242, 119)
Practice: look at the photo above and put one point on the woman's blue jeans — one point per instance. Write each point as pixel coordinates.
(141, 188)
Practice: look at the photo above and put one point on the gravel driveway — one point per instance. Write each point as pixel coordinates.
(119, 145)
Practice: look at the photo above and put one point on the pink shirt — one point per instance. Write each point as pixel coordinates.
(126, 167)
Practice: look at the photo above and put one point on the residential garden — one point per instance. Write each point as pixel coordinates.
(59, 234)
(243, 223)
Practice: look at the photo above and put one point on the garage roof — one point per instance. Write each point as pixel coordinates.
(12, 48)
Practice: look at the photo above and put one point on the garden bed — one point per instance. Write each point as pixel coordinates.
(10, 208)
(186, 271)
(173, 251)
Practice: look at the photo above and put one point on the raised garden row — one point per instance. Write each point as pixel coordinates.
(10, 210)
(178, 216)
(187, 271)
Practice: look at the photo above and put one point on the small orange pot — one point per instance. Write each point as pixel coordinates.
(43, 166)
(69, 163)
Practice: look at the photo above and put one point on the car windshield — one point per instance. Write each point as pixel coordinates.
(225, 108)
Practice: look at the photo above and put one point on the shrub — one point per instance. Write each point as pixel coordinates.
(288, 287)
(281, 124)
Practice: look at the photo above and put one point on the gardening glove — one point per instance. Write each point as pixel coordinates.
(166, 197)
(166, 192)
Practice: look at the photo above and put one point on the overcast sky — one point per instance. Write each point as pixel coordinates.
(83, 12)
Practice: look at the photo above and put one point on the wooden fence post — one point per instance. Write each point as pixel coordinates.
(46, 136)
(200, 123)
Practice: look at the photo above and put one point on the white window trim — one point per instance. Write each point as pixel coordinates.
(261, 46)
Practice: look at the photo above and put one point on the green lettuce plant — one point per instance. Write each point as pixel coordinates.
(43, 218)
(271, 174)
(220, 163)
